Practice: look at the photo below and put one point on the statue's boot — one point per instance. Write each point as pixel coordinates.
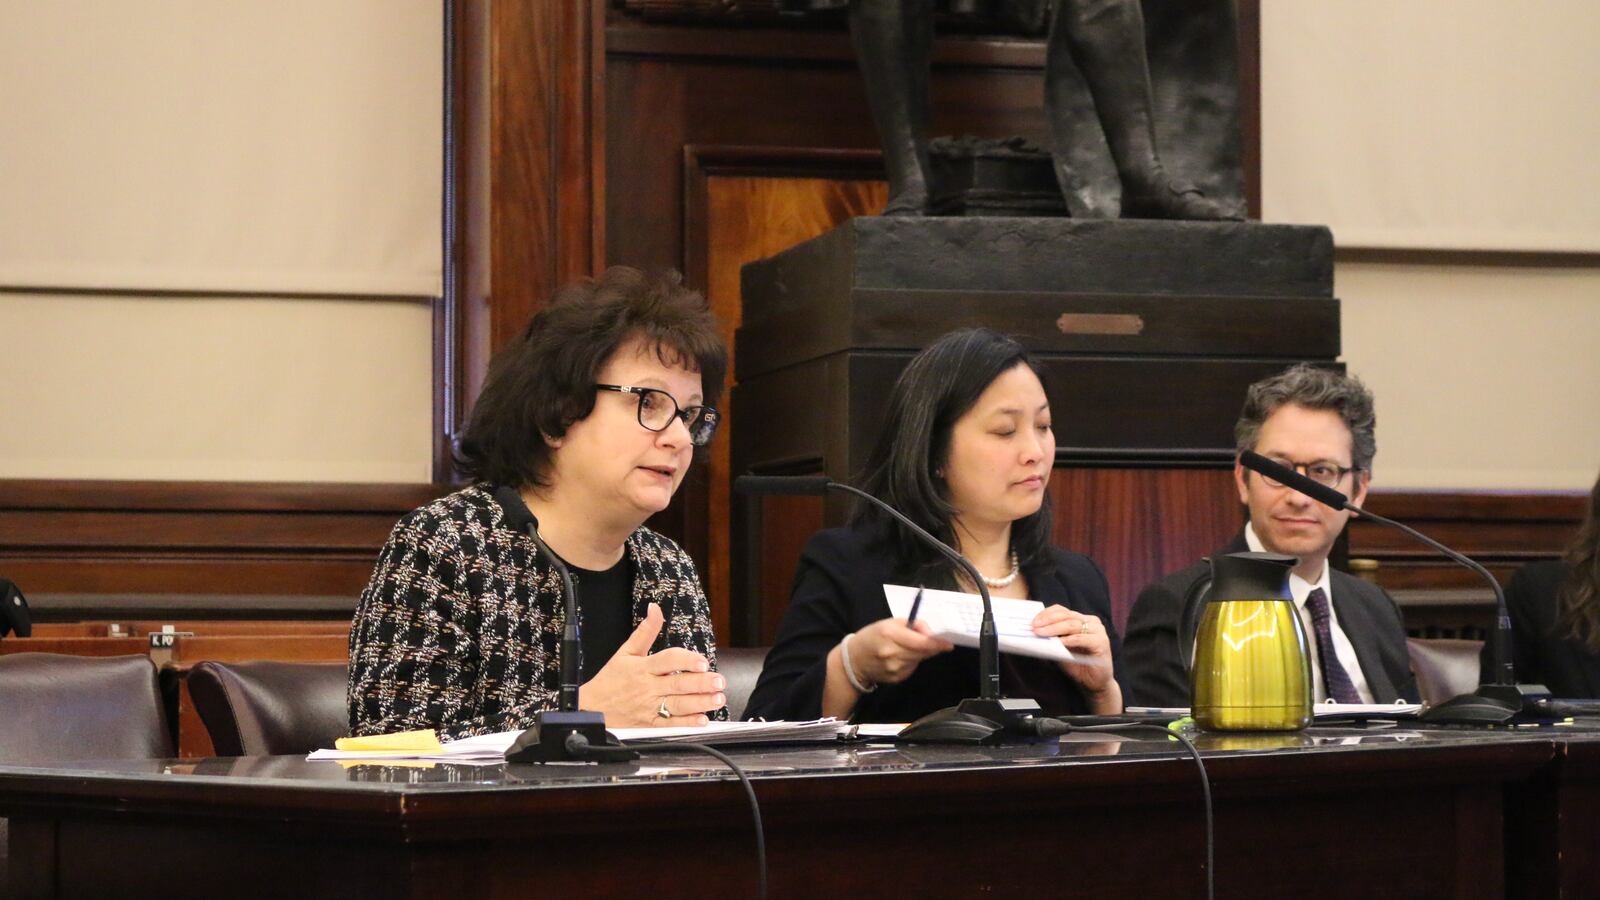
(1106, 38)
(893, 40)
(1171, 199)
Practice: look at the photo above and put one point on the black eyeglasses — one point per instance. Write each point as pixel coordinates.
(1325, 473)
(657, 409)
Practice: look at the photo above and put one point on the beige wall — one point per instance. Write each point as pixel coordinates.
(183, 185)
(1451, 124)
(1486, 377)
(1460, 124)
(264, 389)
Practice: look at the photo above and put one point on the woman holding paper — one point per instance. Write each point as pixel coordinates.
(593, 415)
(966, 452)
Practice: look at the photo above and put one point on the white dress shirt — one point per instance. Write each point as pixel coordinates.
(1300, 589)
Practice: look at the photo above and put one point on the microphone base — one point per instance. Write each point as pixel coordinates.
(546, 741)
(977, 722)
(1490, 704)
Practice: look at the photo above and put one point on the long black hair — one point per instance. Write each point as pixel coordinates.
(940, 385)
(1578, 600)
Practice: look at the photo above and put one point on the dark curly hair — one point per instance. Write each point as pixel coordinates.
(1313, 388)
(542, 382)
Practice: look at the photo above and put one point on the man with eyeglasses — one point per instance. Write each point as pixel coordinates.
(1320, 423)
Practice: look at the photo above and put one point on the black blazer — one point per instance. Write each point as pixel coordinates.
(1565, 666)
(838, 589)
(1157, 676)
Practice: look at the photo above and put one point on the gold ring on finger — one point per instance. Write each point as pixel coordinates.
(662, 711)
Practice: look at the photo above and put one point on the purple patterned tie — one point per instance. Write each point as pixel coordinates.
(1334, 677)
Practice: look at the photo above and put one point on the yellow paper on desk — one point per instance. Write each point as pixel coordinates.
(417, 741)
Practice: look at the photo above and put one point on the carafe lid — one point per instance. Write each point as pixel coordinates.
(1251, 576)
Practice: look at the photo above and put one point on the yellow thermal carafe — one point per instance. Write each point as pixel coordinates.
(1252, 669)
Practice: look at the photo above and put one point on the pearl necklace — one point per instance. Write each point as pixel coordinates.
(1006, 581)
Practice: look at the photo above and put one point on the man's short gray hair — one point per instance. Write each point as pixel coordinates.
(1313, 388)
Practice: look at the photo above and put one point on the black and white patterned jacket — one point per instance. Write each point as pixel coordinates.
(459, 628)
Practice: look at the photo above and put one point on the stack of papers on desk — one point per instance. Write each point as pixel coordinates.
(719, 734)
(492, 747)
(421, 745)
(1331, 710)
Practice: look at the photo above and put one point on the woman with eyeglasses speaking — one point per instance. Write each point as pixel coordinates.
(593, 415)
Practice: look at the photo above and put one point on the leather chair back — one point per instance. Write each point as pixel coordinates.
(270, 708)
(741, 666)
(1445, 667)
(57, 707)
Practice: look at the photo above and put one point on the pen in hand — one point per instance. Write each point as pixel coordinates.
(916, 601)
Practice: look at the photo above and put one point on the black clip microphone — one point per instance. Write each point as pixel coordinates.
(981, 720)
(1496, 702)
(551, 737)
(13, 611)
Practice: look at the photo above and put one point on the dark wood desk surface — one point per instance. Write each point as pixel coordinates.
(1329, 813)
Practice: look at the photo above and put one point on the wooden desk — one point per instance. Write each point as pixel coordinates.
(1553, 827)
(1404, 814)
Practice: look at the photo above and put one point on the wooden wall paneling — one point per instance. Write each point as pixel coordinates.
(1140, 524)
(77, 646)
(116, 538)
(786, 524)
(88, 581)
(742, 204)
(546, 153)
(142, 628)
(1500, 530)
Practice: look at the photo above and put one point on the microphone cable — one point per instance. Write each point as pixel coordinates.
(1049, 726)
(578, 746)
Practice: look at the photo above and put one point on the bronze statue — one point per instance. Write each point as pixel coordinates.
(1104, 40)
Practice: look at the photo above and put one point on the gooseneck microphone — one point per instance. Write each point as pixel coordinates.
(520, 518)
(984, 719)
(1497, 701)
(555, 734)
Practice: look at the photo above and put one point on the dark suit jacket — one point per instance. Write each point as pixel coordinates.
(838, 589)
(1540, 655)
(1156, 675)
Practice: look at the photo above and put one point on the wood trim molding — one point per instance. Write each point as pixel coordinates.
(629, 37)
(213, 496)
(702, 161)
(1427, 256)
(1520, 506)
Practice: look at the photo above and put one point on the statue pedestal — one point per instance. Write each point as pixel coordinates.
(1149, 331)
